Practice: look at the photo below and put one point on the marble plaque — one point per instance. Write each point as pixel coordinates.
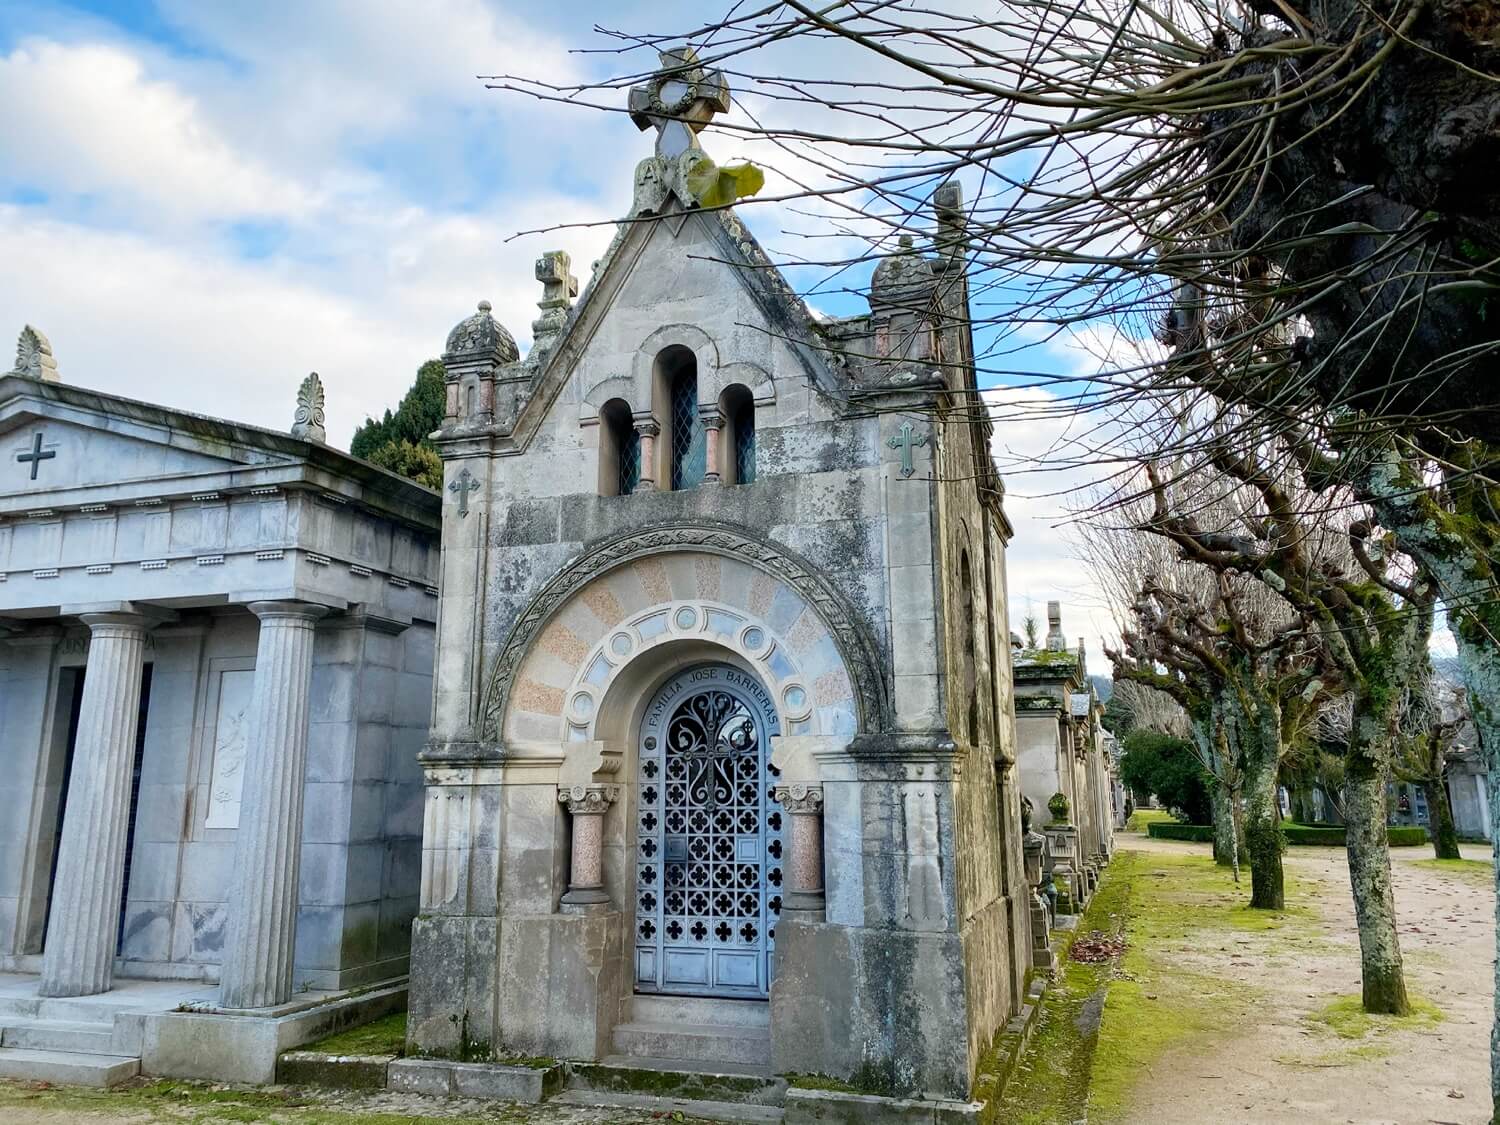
(229, 749)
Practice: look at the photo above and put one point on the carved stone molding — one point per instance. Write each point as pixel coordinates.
(588, 800)
(856, 648)
(797, 799)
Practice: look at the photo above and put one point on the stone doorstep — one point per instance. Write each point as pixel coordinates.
(833, 1107)
(500, 1081)
(344, 1072)
(699, 1081)
(740, 1113)
(67, 1068)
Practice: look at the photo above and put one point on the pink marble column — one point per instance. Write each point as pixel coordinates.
(587, 805)
(648, 428)
(803, 805)
(713, 427)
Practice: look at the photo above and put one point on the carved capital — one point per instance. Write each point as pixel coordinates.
(800, 799)
(588, 800)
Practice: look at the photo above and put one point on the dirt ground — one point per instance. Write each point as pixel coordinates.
(1283, 1063)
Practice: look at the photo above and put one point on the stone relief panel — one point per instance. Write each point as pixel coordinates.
(230, 734)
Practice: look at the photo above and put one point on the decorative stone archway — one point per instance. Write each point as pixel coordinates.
(709, 584)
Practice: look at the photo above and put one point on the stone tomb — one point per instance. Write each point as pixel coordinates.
(722, 771)
(207, 630)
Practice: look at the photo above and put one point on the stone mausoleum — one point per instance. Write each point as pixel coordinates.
(207, 630)
(722, 769)
(1065, 752)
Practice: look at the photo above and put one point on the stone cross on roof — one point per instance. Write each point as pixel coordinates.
(679, 100)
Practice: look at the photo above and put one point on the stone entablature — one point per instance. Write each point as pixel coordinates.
(177, 508)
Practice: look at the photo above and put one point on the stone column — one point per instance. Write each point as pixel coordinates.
(648, 428)
(713, 428)
(262, 927)
(587, 805)
(79, 957)
(803, 805)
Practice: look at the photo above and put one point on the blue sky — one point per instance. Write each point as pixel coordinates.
(203, 200)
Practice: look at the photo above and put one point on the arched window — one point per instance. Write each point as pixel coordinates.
(966, 624)
(687, 446)
(619, 450)
(737, 448)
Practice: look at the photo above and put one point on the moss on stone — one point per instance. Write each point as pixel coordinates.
(820, 1082)
(386, 1036)
(1347, 1018)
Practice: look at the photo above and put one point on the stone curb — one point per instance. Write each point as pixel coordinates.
(831, 1107)
(522, 1084)
(345, 1072)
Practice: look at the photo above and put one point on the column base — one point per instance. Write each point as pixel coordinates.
(585, 896)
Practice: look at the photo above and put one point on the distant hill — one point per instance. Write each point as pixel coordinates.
(1104, 687)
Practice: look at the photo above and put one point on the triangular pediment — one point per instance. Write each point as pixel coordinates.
(700, 268)
(51, 445)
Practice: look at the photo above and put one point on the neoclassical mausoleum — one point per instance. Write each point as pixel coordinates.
(722, 767)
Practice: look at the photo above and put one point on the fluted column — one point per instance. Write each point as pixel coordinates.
(587, 805)
(804, 868)
(262, 928)
(84, 925)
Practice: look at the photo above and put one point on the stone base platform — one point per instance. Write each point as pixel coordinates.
(173, 1029)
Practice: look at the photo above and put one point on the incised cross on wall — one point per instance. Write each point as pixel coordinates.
(36, 455)
(461, 488)
(905, 441)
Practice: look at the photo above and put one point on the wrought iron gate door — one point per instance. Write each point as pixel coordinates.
(708, 858)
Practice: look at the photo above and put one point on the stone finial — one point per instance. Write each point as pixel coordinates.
(678, 101)
(1056, 642)
(559, 287)
(34, 356)
(308, 423)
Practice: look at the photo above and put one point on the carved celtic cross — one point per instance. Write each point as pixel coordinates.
(679, 100)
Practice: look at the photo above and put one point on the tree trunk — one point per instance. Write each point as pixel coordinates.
(1481, 663)
(1370, 877)
(1263, 839)
(1440, 820)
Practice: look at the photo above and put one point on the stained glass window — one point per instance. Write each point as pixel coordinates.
(630, 459)
(689, 446)
(744, 445)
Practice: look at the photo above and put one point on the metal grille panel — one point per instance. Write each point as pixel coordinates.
(708, 870)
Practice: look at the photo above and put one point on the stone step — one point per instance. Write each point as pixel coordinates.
(57, 1035)
(696, 1043)
(675, 1079)
(66, 1067)
(740, 1113)
(662, 1008)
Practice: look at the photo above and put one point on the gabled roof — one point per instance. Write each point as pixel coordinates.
(787, 317)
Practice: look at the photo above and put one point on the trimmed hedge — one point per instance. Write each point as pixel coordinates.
(1172, 830)
(1327, 836)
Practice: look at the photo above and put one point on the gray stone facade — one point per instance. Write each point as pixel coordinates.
(138, 558)
(842, 577)
(1065, 750)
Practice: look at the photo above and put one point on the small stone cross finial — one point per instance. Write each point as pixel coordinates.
(34, 356)
(308, 422)
(678, 101)
(461, 488)
(559, 287)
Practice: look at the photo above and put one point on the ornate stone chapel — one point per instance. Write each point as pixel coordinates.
(722, 767)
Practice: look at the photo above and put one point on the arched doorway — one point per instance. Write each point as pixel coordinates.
(708, 837)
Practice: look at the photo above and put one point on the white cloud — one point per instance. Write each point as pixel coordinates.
(87, 120)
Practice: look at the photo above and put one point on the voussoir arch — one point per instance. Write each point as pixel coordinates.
(855, 647)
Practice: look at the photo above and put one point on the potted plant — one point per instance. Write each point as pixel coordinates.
(1058, 806)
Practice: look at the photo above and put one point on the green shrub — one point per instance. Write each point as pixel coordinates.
(1305, 835)
(1170, 830)
(1057, 805)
